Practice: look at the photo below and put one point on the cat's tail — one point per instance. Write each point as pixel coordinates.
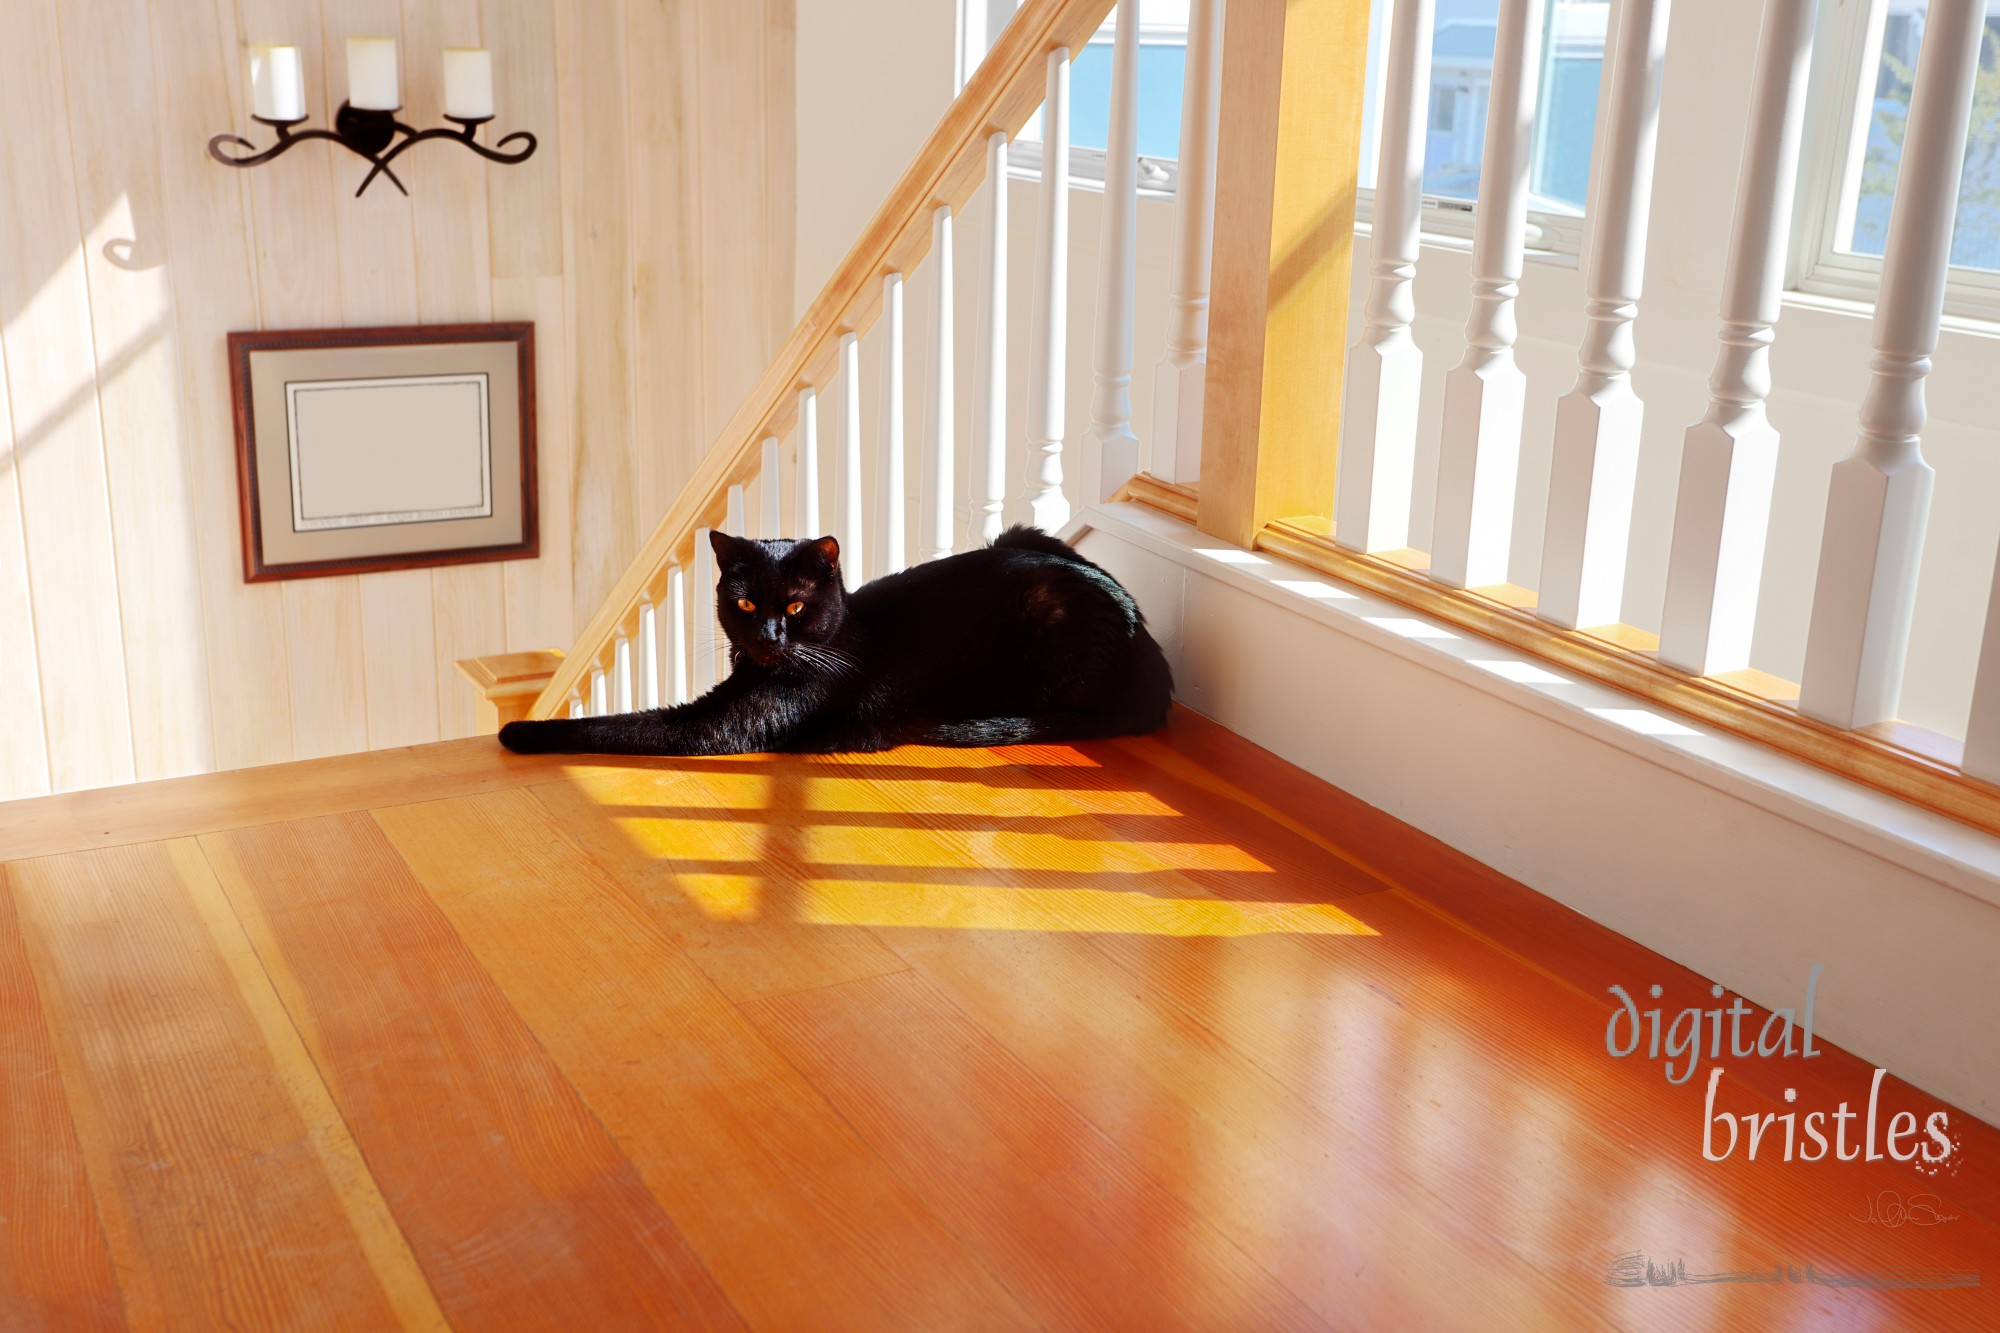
(1021, 537)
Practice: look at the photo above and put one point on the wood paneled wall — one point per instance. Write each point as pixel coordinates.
(650, 240)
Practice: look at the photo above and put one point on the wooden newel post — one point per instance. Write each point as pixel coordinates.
(1290, 145)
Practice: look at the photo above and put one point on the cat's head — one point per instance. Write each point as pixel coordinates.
(780, 602)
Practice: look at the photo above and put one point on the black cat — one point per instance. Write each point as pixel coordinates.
(1023, 641)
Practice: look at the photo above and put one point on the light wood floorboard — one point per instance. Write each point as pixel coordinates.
(1148, 1034)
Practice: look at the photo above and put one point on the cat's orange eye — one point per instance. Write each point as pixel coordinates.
(795, 608)
(745, 604)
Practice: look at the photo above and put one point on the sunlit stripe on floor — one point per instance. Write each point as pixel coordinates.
(1101, 911)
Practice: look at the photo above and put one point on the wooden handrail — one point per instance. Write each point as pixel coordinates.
(1001, 95)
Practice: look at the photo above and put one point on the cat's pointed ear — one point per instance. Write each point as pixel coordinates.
(728, 549)
(826, 550)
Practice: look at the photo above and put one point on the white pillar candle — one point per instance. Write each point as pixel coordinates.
(277, 83)
(468, 83)
(371, 74)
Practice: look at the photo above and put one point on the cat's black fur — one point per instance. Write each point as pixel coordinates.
(1023, 641)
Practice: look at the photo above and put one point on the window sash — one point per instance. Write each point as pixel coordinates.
(1446, 221)
(1840, 97)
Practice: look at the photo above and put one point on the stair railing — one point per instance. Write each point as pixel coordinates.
(649, 644)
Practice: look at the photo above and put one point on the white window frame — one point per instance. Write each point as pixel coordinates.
(1551, 237)
(1840, 101)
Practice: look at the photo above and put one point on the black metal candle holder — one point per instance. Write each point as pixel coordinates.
(371, 136)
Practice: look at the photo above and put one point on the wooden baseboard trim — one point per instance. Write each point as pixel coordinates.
(1897, 758)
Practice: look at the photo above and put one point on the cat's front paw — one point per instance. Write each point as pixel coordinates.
(523, 737)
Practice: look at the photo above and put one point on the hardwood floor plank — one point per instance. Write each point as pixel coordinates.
(1351, 992)
(210, 802)
(519, 1207)
(801, 1224)
(705, 853)
(55, 1273)
(212, 1179)
(1082, 1236)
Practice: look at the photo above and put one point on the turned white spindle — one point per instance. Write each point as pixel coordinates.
(1595, 461)
(895, 503)
(808, 522)
(1179, 379)
(1879, 502)
(1048, 329)
(649, 656)
(989, 384)
(849, 447)
(769, 473)
(621, 675)
(940, 371)
(1385, 368)
(1117, 446)
(600, 700)
(733, 523)
(705, 630)
(674, 643)
(1479, 443)
(575, 707)
(1729, 458)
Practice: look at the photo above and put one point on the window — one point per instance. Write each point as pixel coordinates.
(1571, 58)
(1859, 105)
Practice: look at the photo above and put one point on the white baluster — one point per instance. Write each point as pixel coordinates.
(1879, 502)
(1479, 444)
(1179, 379)
(940, 371)
(705, 630)
(808, 523)
(1595, 461)
(1117, 447)
(989, 385)
(770, 474)
(575, 706)
(649, 655)
(621, 675)
(732, 523)
(1048, 507)
(675, 644)
(1385, 368)
(600, 703)
(849, 446)
(895, 504)
(1729, 459)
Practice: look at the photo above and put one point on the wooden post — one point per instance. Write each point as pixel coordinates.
(508, 684)
(1287, 161)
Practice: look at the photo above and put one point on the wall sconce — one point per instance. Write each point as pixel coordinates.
(366, 124)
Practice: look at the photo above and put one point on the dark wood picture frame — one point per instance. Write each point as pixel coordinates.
(256, 569)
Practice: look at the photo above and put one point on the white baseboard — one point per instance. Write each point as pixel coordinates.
(1735, 861)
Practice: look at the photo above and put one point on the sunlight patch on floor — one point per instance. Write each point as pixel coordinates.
(1098, 911)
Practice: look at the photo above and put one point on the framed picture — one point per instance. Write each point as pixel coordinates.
(367, 449)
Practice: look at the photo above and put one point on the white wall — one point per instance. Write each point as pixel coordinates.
(874, 78)
(658, 277)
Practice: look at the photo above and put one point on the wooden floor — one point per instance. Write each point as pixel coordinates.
(1143, 1035)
